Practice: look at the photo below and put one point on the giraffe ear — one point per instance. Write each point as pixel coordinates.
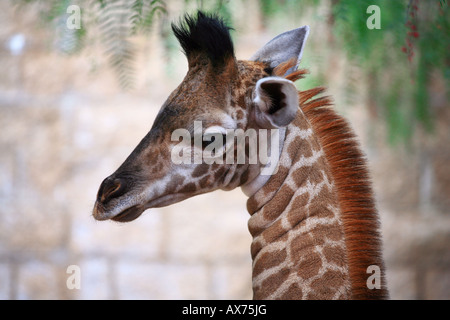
(275, 102)
(284, 47)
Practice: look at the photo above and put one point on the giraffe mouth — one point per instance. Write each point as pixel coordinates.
(129, 214)
(134, 212)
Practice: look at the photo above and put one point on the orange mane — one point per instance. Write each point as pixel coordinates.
(351, 177)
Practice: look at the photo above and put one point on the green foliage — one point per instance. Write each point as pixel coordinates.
(143, 13)
(413, 41)
(118, 21)
(396, 61)
(287, 8)
(115, 21)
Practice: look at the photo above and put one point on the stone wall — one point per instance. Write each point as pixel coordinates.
(65, 128)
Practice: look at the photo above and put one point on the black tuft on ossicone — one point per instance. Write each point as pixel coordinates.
(205, 34)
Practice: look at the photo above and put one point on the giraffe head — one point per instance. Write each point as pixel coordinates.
(188, 150)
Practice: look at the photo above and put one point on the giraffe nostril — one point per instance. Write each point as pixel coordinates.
(111, 188)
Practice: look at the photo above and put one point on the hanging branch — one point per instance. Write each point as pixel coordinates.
(116, 21)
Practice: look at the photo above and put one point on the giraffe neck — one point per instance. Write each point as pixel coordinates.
(298, 247)
(254, 185)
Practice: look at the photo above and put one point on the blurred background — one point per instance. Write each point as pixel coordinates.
(76, 96)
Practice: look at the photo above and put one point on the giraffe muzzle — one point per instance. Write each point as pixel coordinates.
(111, 188)
(113, 200)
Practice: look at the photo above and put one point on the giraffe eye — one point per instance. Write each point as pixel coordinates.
(210, 138)
(214, 141)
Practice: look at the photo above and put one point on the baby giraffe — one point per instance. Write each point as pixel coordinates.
(242, 123)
